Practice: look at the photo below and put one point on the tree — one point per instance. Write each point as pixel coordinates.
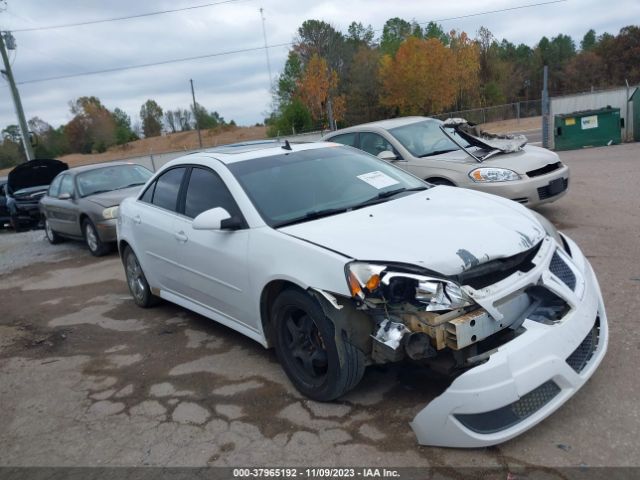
(288, 80)
(358, 34)
(434, 30)
(124, 132)
(363, 87)
(394, 32)
(295, 117)
(92, 128)
(417, 80)
(466, 67)
(588, 41)
(316, 37)
(319, 84)
(151, 116)
(12, 132)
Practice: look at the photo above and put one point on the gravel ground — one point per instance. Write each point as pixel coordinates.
(18, 250)
(87, 378)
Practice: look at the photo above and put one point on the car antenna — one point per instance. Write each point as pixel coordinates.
(287, 145)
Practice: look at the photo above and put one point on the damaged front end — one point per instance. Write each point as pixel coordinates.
(506, 331)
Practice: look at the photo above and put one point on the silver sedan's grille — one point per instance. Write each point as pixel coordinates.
(561, 270)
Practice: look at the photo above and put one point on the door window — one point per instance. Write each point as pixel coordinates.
(167, 188)
(206, 190)
(345, 139)
(374, 144)
(54, 188)
(66, 185)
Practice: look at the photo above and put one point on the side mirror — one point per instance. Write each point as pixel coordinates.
(211, 219)
(387, 155)
(64, 196)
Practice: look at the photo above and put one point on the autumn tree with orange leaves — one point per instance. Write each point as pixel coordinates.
(418, 79)
(317, 85)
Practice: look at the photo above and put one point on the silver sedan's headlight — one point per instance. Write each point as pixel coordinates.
(109, 213)
(377, 281)
(493, 174)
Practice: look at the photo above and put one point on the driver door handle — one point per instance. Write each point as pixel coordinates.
(181, 237)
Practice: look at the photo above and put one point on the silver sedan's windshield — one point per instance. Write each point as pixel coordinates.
(425, 138)
(111, 178)
(301, 186)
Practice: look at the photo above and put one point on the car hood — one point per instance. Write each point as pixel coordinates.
(34, 173)
(113, 198)
(444, 229)
(529, 158)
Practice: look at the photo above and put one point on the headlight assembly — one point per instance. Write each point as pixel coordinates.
(109, 213)
(493, 174)
(375, 281)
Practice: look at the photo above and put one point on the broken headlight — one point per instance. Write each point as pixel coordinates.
(493, 174)
(367, 281)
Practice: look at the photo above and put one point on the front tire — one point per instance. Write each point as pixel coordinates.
(96, 246)
(51, 235)
(320, 364)
(136, 281)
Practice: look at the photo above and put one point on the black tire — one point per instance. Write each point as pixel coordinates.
(440, 181)
(51, 235)
(319, 365)
(96, 246)
(136, 281)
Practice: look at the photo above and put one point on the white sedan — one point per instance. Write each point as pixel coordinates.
(340, 260)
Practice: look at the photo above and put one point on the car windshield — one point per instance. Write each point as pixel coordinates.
(425, 138)
(106, 179)
(301, 186)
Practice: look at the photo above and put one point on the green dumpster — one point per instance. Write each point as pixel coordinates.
(589, 128)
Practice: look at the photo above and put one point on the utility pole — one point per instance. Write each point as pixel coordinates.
(195, 113)
(266, 49)
(6, 37)
(545, 108)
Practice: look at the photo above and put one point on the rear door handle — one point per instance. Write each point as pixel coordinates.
(181, 237)
(137, 219)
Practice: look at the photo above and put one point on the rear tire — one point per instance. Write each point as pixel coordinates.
(136, 281)
(320, 364)
(96, 246)
(51, 235)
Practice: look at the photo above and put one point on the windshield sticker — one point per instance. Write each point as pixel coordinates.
(378, 179)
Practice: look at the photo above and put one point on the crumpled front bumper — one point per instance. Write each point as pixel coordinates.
(526, 379)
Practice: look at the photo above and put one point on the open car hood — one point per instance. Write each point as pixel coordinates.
(490, 142)
(34, 173)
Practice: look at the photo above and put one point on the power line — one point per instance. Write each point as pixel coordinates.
(488, 12)
(115, 19)
(144, 65)
(497, 11)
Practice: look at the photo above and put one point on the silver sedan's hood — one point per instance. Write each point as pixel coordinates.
(444, 229)
(527, 159)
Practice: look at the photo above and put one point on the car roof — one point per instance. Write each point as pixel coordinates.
(239, 152)
(97, 166)
(383, 124)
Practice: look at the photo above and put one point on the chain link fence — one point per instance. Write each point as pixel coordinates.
(508, 111)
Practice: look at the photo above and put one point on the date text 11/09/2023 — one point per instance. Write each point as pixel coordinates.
(315, 473)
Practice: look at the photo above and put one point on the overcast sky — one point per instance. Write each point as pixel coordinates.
(237, 86)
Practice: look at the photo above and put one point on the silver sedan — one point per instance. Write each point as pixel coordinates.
(530, 176)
